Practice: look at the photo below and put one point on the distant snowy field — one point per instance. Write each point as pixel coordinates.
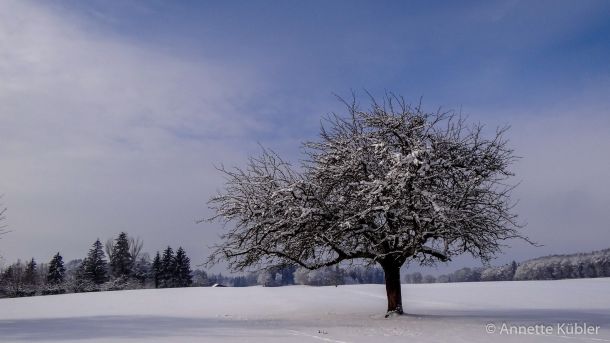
(437, 313)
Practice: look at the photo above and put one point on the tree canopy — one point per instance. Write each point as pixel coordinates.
(95, 267)
(121, 260)
(56, 271)
(391, 184)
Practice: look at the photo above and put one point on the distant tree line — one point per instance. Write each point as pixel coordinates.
(120, 264)
(284, 275)
(553, 267)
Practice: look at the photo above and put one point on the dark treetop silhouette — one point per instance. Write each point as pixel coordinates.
(391, 184)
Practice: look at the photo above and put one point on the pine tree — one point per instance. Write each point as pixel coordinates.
(95, 267)
(29, 276)
(121, 261)
(167, 268)
(57, 270)
(182, 269)
(157, 268)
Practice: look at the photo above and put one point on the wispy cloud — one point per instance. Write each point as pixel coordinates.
(112, 115)
(101, 135)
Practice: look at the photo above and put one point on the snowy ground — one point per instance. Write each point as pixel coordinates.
(437, 313)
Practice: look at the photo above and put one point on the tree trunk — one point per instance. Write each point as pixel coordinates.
(392, 287)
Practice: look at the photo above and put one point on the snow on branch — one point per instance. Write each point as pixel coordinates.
(390, 183)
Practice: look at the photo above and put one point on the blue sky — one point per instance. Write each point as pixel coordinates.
(446, 49)
(114, 113)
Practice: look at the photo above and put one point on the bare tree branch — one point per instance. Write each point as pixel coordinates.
(135, 247)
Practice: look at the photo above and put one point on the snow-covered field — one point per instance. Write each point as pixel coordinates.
(437, 313)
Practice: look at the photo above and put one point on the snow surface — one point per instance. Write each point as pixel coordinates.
(456, 312)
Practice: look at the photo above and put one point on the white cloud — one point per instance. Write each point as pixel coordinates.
(100, 135)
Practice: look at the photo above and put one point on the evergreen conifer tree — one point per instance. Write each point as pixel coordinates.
(121, 262)
(167, 268)
(95, 267)
(29, 276)
(182, 269)
(57, 270)
(157, 269)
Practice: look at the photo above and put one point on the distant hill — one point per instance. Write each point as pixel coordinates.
(572, 266)
(553, 267)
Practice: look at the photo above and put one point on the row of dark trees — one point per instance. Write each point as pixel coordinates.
(167, 270)
(172, 270)
(125, 268)
(26, 279)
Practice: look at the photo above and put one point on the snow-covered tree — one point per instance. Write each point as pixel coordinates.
(266, 278)
(581, 265)
(95, 267)
(121, 261)
(326, 276)
(466, 275)
(77, 279)
(369, 274)
(390, 184)
(74, 268)
(442, 278)
(12, 281)
(182, 269)
(502, 273)
(56, 271)
(200, 278)
(417, 277)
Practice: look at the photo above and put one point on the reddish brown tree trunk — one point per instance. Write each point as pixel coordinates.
(392, 287)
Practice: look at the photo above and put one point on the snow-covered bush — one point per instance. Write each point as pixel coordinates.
(121, 283)
(502, 273)
(52, 289)
(328, 276)
(266, 278)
